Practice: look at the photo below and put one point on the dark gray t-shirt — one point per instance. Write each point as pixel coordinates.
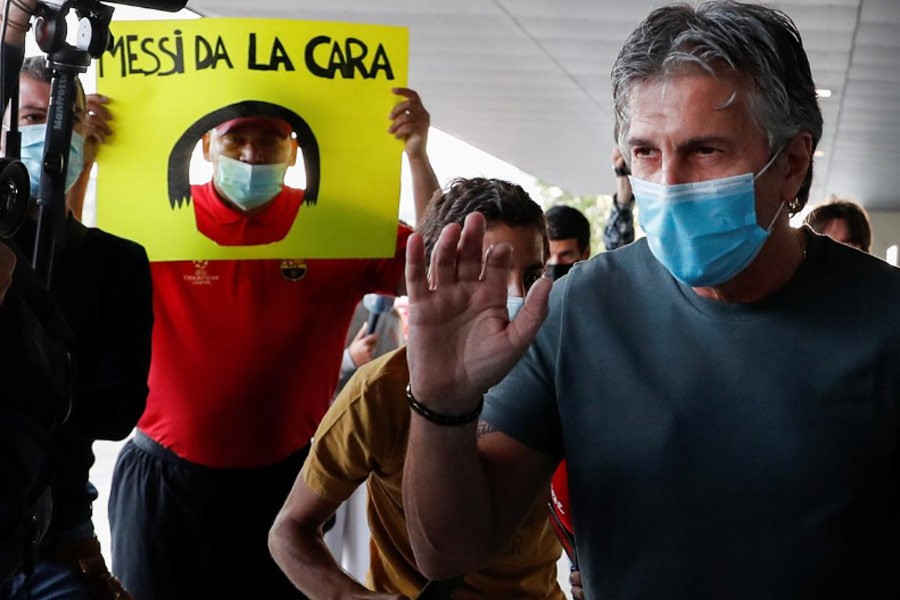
(722, 450)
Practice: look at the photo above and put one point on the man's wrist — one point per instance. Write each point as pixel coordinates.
(419, 156)
(441, 418)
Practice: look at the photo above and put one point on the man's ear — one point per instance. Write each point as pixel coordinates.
(293, 159)
(205, 141)
(586, 254)
(798, 152)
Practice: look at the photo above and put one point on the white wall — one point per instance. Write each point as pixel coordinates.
(885, 231)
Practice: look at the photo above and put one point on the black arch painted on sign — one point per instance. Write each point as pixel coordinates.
(180, 157)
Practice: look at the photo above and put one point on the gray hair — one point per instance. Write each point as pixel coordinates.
(758, 42)
(36, 68)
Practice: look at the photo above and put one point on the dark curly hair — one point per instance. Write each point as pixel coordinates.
(565, 222)
(499, 201)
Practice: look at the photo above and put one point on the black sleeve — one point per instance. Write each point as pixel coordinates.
(26, 465)
(34, 375)
(35, 343)
(111, 390)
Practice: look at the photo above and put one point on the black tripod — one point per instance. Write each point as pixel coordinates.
(65, 62)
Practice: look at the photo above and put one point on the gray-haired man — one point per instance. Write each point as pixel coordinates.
(745, 440)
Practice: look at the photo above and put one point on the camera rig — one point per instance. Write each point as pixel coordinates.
(66, 62)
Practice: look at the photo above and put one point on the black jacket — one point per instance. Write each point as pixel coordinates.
(102, 285)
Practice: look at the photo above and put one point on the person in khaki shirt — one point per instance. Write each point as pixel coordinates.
(363, 438)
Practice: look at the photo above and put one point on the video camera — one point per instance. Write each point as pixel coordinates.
(65, 61)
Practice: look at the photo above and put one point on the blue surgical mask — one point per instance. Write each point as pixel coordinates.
(704, 232)
(249, 186)
(33, 155)
(513, 305)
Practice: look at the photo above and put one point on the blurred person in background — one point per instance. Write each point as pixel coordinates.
(843, 221)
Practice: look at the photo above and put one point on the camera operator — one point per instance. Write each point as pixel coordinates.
(34, 369)
(101, 284)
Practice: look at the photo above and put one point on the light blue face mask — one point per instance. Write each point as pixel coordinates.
(249, 186)
(704, 232)
(33, 155)
(513, 305)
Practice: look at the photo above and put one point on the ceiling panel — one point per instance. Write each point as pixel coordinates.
(528, 80)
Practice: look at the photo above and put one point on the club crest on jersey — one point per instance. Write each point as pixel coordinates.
(293, 269)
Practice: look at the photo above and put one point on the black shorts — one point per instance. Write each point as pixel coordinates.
(182, 530)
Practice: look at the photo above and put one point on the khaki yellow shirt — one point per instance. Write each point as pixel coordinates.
(363, 438)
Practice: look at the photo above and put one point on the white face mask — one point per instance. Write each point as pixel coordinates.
(513, 305)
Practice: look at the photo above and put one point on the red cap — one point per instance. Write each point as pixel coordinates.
(273, 124)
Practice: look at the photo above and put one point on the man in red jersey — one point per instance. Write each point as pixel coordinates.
(246, 355)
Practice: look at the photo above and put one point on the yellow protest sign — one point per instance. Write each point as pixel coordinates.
(172, 81)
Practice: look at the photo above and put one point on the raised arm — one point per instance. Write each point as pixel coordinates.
(465, 498)
(410, 123)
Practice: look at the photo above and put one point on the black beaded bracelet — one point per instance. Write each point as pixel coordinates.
(438, 418)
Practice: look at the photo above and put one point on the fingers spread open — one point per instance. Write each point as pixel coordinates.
(443, 257)
(469, 249)
(495, 274)
(416, 277)
(524, 327)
